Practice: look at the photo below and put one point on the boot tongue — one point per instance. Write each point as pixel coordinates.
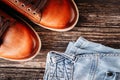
(1, 20)
(4, 25)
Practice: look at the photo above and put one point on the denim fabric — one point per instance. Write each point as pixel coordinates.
(83, 60)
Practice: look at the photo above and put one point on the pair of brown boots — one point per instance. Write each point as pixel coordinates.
(18, 40)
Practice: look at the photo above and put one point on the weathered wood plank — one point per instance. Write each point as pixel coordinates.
(21, 74)
(37, 62)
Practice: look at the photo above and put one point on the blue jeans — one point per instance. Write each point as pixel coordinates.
(83, 60)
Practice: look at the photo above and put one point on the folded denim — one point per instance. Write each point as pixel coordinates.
(83, 60)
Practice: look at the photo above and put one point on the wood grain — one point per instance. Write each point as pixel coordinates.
(99, 21)
(21, 74)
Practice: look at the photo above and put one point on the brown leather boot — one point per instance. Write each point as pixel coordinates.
(18, 41)
(56, 15)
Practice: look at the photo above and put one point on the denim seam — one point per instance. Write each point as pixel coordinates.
(68, 57)
(103, 55)
(93, 68)
(84, 55)
(72, 71)
(90, 70)
(96, 66)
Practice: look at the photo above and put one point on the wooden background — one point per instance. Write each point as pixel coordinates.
(99, 21)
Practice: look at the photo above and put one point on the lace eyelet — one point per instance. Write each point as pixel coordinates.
(16, 1)
(28, 9)
(23, 5)
(34, 13)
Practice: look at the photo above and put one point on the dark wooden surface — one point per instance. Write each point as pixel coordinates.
(99, 21)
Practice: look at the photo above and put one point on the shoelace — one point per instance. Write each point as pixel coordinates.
(4, 24)
(35, 5)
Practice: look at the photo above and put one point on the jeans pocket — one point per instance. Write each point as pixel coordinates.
(112, 76)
